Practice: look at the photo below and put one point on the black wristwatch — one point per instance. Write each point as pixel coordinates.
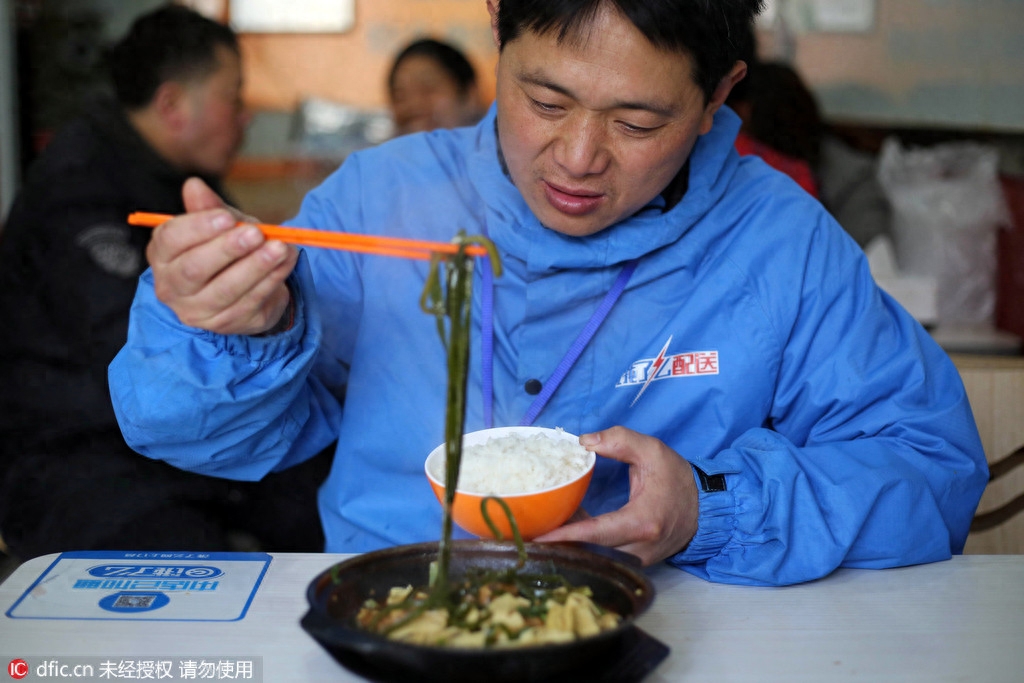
(709, 483)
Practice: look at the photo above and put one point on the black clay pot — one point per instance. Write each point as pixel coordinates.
(622, 654)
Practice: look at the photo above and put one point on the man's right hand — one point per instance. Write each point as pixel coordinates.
(217, 273)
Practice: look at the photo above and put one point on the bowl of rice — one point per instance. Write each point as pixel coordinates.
(541, 474)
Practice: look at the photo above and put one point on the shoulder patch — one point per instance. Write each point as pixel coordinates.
(109, 246)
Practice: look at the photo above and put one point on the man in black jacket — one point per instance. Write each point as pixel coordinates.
(69, 264)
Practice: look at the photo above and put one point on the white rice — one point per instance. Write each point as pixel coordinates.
(518, 464)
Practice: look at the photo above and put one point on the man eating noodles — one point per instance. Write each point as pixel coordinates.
(763, 412)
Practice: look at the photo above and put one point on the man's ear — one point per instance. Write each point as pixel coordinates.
(492, 9)
(169, 104)
(735, 75)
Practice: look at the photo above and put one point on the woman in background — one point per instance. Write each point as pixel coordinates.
(432, 85)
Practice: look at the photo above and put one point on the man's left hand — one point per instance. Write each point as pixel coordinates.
(661, 516)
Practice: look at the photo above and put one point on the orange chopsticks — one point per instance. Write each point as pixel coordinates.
(368, 244)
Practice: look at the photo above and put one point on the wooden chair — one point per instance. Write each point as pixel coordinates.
(995, 387)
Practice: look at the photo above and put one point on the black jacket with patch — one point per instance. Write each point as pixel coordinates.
(69, 264)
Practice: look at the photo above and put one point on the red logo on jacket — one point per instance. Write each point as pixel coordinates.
(664, 366)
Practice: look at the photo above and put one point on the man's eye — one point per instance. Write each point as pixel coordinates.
(636, 130)
(544, 106)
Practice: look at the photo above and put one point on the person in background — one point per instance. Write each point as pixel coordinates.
(783, 124)
(781, 120)
(69, 267)
(763, 412)
(432, 85)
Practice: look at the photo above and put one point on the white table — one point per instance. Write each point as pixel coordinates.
(961, 620)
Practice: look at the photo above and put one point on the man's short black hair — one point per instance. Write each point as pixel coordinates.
(447, 56)
(710, 31)
(170, 43)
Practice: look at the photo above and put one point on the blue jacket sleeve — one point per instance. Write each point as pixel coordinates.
(870, 458)
(232, 406)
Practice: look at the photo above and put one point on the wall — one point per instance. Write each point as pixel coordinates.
(931, 63)
(118, 15)
(350, 68)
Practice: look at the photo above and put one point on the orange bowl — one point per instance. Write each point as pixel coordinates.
(536, 512)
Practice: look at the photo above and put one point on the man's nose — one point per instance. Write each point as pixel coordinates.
(582, 146)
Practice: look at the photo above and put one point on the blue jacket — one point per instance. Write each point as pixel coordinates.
(841, 429)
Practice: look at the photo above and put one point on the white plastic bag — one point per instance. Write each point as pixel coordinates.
(947, 209)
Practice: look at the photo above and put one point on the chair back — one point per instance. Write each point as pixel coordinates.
(995, 387)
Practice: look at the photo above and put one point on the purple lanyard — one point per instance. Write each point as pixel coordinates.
(568, 360)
